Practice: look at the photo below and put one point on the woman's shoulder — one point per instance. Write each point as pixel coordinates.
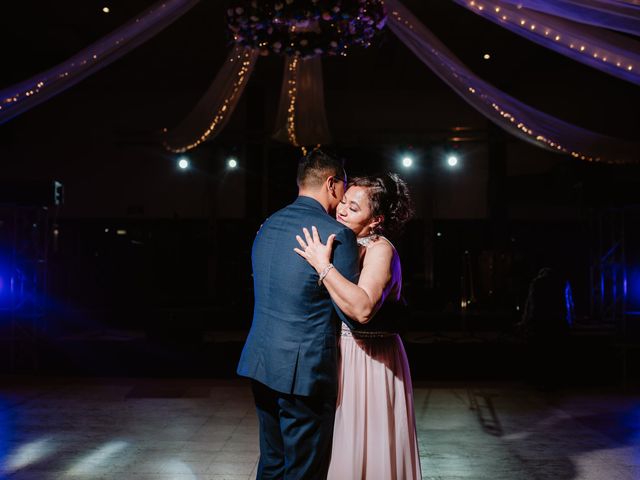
(381, 244)
(381, 248)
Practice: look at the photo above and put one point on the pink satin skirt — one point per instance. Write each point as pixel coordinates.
(375, 430)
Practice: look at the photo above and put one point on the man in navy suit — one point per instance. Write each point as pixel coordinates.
(291, 351)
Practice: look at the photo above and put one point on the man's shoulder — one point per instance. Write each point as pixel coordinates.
(305, 216)
(304, 211)
(283, 213)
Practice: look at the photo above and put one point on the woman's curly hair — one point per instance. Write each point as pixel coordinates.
(389, 197)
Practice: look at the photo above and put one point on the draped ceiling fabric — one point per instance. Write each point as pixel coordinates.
(620, 15)
(213, 110)
(301, 118)
(609, 52)
(39, 88)
(508, 113)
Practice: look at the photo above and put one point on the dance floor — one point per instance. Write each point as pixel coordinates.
(132, 429)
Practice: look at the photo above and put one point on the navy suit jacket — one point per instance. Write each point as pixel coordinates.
(292, 344)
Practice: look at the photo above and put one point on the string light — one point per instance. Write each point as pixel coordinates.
(541, 138)
(292, 90)
(247, 58)
(490, 9)
(150, 17)
(522, 127)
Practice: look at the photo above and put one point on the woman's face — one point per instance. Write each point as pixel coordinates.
(354, 211)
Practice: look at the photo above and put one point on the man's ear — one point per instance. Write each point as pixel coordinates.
(331, 184)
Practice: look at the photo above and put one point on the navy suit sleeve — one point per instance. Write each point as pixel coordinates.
(345, 260)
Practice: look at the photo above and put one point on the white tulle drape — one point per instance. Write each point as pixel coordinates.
(301, 118)
(19, 98)
(505, 111)
(609, 52)
(620, 15)
(213, 110)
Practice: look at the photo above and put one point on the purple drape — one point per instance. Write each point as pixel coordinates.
(19, 98)
(505, 111)
(609, 52)
(623, 16)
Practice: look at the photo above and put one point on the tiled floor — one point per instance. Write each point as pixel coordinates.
(206, 429)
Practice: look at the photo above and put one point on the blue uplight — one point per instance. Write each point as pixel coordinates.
(632, 287)
(5, 289)
(569, 306)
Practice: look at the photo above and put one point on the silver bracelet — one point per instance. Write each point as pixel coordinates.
(324, 273)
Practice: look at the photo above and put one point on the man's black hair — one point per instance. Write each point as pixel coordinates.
(316, 166)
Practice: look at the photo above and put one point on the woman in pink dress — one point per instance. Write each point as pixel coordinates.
(374, 432)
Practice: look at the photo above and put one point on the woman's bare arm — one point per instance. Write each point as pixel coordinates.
(359, 302)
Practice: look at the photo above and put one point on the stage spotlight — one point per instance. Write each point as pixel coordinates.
(183, 163)
(106, 9)
(452, 160)
(232, 163)
(407, 161)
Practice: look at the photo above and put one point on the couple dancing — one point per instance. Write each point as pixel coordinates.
(331, 402)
